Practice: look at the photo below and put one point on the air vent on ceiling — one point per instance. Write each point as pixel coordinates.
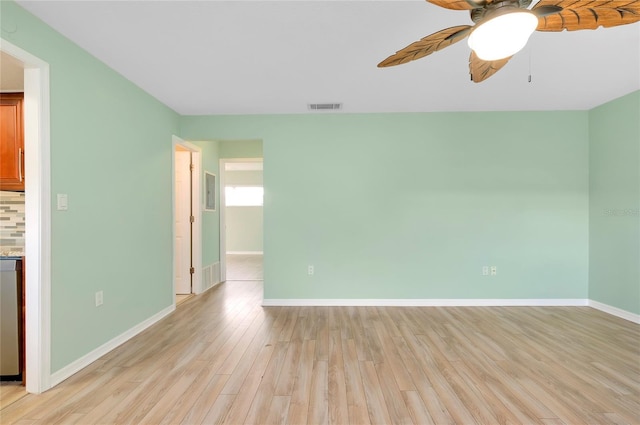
(325, 106)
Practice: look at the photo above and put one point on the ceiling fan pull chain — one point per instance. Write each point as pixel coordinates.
(530, 63)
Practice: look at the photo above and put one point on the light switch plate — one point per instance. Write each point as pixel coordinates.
(63, 202)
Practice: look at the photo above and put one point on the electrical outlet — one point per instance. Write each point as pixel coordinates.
(485, 270)
(494, 270)
(310, 270)
(99, 298)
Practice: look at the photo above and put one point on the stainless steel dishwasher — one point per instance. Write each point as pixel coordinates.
(10, 277)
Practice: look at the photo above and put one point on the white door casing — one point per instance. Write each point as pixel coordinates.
(196, 211)
(37, 217)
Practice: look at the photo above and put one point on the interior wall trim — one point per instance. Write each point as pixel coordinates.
(527, 302)
(196, 208)
(94, 355)
(615, 311)
(37, 246)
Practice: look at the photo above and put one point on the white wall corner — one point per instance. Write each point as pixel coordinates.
(615, 311)
(94, 355)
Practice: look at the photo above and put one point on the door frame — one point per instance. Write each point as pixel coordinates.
(223, 204)
(196, 208)
(37, 138)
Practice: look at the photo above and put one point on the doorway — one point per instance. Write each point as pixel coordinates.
(241, 219)
(37, 247)
(183, 221)
(187, 248)
(12, 223)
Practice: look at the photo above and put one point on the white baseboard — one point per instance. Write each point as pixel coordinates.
(571, 302)
(246, 252)
(94, 355)
(213, 286)
(615, 311)
(272, 302)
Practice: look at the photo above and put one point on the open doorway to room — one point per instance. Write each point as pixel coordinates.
(37, 214)
(12, 230)
(242, 219)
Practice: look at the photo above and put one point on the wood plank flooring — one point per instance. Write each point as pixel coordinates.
(10, 392)
(221, 358)
(244, 267)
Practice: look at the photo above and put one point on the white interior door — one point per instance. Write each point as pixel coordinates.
(183, 222)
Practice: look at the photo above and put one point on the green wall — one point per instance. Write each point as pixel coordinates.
(244, 229)
(241, 148)
(111, 153)
(413, 205)
(614, 207)
(210, 219)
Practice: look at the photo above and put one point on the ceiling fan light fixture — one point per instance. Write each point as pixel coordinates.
(503, 35)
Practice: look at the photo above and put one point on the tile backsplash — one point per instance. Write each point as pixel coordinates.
(11, 223)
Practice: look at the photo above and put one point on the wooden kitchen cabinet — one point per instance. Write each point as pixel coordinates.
(11, 142)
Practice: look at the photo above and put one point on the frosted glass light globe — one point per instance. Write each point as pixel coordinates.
(503, 36)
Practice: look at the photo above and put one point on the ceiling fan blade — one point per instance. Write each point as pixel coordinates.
(591, 14)
(460, 4)
(546, 10)
(427, 45)
(480, 69)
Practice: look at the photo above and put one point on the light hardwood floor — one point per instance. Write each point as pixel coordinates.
(222, 358)
(180, 298)
(244, 267)
(11, 392)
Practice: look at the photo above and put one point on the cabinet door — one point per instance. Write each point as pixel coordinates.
(11, 142)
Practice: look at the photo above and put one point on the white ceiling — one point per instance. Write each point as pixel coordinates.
(258, 57)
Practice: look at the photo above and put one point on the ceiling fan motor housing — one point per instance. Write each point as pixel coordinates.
(491, 10)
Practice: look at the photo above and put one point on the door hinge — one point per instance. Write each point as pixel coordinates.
(192, 219)
(192, 166)
(192, 270)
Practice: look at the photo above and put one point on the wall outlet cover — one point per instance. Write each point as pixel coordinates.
(99, 298)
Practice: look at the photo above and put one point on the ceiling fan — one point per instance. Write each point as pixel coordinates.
(503, 27)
